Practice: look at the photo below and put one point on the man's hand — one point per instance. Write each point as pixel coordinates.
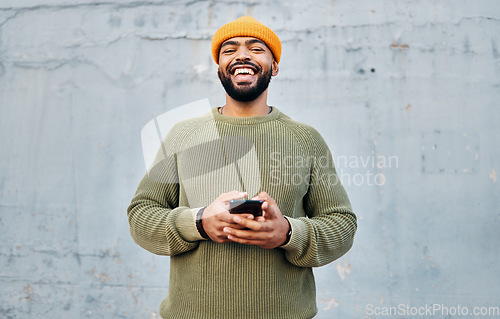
(216, 217)
(268, 231)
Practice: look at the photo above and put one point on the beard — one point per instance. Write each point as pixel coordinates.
(246, 92)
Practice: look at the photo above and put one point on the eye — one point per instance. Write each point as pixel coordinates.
(227, 51)
(257, 49)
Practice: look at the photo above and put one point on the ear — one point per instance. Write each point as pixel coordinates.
(276, 68)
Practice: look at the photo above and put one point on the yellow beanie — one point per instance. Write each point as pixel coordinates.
(246, 27)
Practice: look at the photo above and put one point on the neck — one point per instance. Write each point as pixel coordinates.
(257, 107)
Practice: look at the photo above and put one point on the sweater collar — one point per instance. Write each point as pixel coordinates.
(245, 120)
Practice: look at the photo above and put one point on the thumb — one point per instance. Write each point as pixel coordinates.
(269, 207)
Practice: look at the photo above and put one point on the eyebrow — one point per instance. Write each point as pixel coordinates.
(247, 42)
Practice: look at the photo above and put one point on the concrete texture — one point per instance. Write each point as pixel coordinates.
(405, 92)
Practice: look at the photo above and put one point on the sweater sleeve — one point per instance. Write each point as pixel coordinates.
(156, 222)
(328, 230)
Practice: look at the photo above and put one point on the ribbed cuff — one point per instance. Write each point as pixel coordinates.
(298, 228)
(186, 225)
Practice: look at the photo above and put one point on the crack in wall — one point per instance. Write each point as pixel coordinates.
(120, 5)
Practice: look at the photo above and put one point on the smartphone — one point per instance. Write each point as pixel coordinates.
(242, 206)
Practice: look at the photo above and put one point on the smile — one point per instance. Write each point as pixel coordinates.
(244, 71)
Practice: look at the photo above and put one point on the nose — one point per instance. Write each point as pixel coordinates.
(243, 54)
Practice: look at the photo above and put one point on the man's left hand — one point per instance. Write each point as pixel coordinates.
(268, 231)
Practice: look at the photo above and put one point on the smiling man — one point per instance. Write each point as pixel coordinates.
(227, 265)
(251, 76)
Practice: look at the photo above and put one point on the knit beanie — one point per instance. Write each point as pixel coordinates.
(246, 26)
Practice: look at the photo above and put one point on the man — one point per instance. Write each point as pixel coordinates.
(236, 265)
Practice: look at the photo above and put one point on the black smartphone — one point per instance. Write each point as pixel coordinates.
(243, 206)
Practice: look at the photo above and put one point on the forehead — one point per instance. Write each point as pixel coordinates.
(243, 41)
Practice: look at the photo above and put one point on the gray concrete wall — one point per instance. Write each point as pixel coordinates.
(406, 93)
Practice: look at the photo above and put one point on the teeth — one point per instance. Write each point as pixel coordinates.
(243, 71)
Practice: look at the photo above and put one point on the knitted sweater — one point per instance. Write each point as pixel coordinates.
(213, 154)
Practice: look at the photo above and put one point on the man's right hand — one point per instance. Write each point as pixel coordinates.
(216, 216)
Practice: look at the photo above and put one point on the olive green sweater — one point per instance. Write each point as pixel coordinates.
(213, 154)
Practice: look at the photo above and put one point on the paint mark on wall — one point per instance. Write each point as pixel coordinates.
(399, 46)
(332, 302)
(343, 269)
(103, 277)
(28, 289)
(493, 175)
